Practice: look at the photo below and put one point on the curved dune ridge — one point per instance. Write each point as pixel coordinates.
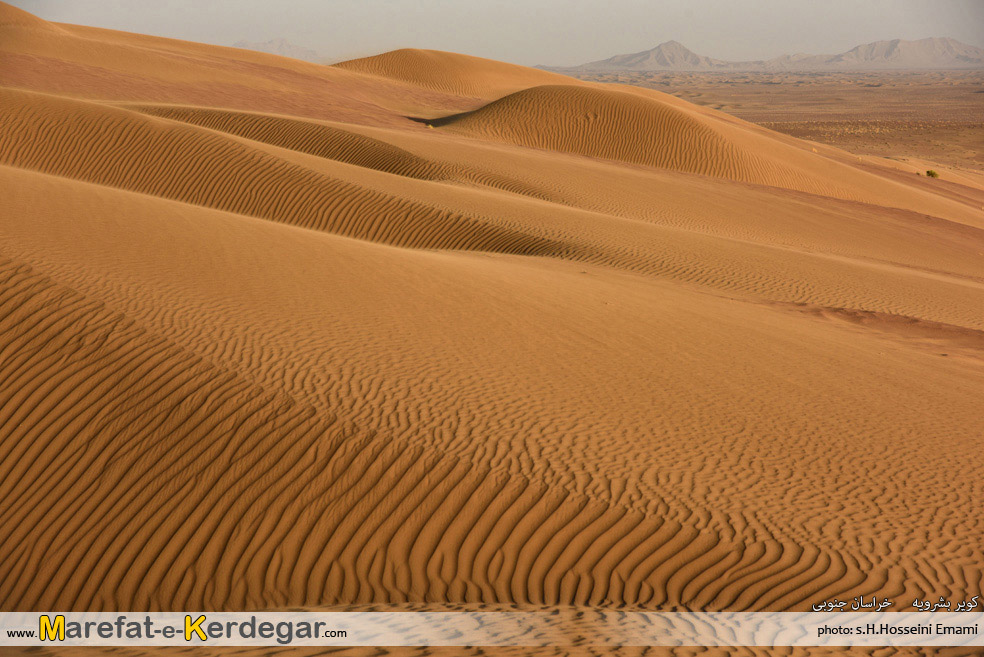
(589, 122)
(540, 109)
(89, 62)
(453, 73)
(267, 342)
(307, 137)
(202, 168)
(13, 17)
(640, 128)
(334, 143)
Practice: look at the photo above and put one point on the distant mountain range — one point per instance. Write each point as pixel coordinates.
(897, 54)
(281, 47)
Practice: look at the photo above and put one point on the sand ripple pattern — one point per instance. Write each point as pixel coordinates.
(215, 485)
(125, 150)
(267, 342)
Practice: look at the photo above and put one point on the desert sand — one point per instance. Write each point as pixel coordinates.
(905, 116)
(428, 328)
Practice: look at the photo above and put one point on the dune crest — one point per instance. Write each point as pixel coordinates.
(453, 73)
(649, 128)
(14, 17)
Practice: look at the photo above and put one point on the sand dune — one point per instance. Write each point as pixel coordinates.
(628, 522)
(87, 62)
(578, 344)
(453, 73)
(647, 127)
(198, 167)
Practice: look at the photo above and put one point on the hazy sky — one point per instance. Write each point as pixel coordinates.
(552, 32)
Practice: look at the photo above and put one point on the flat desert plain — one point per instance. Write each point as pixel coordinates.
(424, 328)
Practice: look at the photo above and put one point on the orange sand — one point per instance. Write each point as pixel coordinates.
(268, 341)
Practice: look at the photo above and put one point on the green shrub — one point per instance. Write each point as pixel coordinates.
(932, 174)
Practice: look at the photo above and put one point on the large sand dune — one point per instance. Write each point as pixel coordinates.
(268, 341)
(453, 73)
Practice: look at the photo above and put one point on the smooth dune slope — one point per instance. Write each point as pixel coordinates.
(453, 73)
(88, 62)
(577, 345)
(644, 127)
(540, 109)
